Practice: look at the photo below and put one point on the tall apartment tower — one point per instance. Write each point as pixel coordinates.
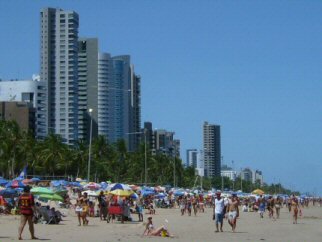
(119, 100)
(58, 96)
(192, 158)
(212, 149)
(87, 87)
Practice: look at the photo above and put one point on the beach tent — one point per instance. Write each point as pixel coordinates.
(258, 192)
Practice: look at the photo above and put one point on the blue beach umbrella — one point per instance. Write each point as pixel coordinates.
(8, 192)
(35, 179)
(145, 193)
(120, 186)
(3, 182)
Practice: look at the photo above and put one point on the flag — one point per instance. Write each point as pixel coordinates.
(23, 174)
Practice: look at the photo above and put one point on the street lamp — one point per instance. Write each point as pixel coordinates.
(90, 145)
(145, 156)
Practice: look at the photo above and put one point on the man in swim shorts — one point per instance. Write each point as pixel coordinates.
(233, 212)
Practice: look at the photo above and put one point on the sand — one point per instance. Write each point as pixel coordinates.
(195, 229)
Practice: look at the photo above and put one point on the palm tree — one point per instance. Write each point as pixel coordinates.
(52, 153)
(10, 137)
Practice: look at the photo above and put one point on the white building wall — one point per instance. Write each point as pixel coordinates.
(19, 90)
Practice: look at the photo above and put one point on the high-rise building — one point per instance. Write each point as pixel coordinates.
(148, 136)
(257, 176)
(119, 100)
(58, 96)
(212, 149)
(87, 87)
(105, 102)
(247, 174)
(192, 158)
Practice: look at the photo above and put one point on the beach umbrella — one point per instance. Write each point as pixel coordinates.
(123, 193)
(52, 197)
(103, 185)
(57, 183)
(134, 196)
(92, 186)
(61, 192)
(41, 190)
(15, 184)
(78, 179)
(134, 187)
(160, 195)
(26, 181)
(8, 192)
(75, 184)
(179, 193)
(120, 186)
(35, 179)
(3, 182)
(258, 192)
(159, 189)
(145, 193)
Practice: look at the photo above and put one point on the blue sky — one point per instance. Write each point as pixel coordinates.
(253, 67)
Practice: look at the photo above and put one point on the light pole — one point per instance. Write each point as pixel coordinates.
(90, 145)
(222, 177)
(241, 180)
(145, 156)
(174, 170)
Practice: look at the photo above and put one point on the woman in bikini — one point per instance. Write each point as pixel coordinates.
(278, 204)
(151, 231)
(295, 208)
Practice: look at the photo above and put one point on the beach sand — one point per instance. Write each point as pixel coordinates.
(195, 229)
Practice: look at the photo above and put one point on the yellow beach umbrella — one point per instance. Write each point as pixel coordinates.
(120, 192)
(258, 192)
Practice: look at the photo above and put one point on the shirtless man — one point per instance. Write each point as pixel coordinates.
(233, 211)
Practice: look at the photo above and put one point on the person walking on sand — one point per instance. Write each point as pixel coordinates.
(219, 205)
(295, 208)
(261, 206)
(26, 204)
(278, 204)
(233, 211)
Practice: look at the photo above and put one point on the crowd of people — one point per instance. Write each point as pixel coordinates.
(111, 208)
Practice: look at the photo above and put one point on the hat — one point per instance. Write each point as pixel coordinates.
(218, 192)
(234, 194)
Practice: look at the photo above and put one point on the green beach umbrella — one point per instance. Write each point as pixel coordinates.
(41, 190)
(52, 197)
